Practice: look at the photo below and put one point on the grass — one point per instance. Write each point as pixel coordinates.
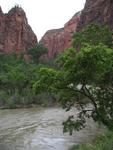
(103, 142)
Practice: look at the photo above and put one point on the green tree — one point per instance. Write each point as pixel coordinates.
(16, 79)
(36, 52)
(93, 34)
(87, 74)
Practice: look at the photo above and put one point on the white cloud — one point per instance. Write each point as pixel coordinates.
(46, 14)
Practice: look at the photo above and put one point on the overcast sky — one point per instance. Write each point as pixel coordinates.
(44, 15)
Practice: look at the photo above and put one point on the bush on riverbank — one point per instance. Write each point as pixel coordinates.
(103, 142)
(16, 80)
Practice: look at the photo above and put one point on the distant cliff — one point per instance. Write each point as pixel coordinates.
(15, 32)
(57, 40)
(97, 11)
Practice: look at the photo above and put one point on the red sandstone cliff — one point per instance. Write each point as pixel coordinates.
(15, 33)
(97, 11)
(57, 40)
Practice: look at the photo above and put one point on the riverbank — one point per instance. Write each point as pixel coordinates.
(30, 106)
(102, 142)
(19, 106)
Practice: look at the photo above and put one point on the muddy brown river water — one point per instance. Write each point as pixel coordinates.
(40, 129)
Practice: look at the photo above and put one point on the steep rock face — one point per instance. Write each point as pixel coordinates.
(97, 11)
(2, 29)
(15, 33)
(57, 40)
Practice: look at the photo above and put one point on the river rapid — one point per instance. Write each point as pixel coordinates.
(40, 129)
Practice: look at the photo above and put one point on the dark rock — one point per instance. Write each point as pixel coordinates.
(96, 11)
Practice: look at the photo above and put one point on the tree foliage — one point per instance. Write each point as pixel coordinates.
(93, 34)
(36, 52)
(16, 79)
(87, 74)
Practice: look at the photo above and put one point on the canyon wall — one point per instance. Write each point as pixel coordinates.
(15, 32)
(17, 35)
(96, 11)
(57, 40)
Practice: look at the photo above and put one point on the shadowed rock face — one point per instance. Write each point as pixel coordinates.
(57, 40)
(15, 32)
(97, 11)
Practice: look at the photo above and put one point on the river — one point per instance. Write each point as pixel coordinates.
(40, 129)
